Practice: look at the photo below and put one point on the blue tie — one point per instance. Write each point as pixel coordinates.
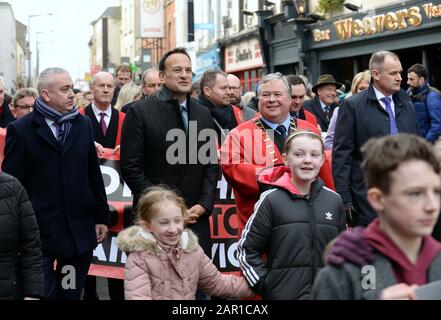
(393, 124)
(281, 130)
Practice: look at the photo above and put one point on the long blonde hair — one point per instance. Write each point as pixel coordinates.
(359, 77)
(128, 94)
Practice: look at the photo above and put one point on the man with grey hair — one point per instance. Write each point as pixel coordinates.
(151, 82)
(236, 97)
(52, 153)
(383, 109)
(106, 120)
(259, 143)
(5, 114)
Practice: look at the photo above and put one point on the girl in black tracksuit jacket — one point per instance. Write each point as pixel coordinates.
(280, 251)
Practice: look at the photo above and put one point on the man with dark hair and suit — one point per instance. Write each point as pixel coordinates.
(383, 109)
(215, 96)
(149, 135)
(52, 153)
(323, 105)
(297, 109)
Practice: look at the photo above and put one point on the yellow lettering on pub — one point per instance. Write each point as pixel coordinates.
(401, 16)
(415, 18)
(390, 21)
(369, 26)
(344, 28)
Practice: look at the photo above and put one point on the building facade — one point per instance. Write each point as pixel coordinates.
(412, 29)
(8, 45)
(342, 44)
(105, 42)
(22, 55)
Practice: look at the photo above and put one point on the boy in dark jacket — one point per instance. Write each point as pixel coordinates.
(292, 224)
(402, 174)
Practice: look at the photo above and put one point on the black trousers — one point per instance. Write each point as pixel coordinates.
(66, 282)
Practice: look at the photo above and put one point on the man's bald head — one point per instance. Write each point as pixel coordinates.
(103, 86)
(151, 82)
(235, 89)
(102, 75)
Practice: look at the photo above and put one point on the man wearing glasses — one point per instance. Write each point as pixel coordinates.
(23, 102)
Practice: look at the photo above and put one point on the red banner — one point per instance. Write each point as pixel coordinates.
(108, 261)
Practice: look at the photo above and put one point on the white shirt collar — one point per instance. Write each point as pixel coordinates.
(184, 104)
(274, 126)
(323, 105)
(379, 95)
(97, 111)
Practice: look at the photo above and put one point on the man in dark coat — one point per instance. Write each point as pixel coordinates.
(52, 153)
(215, 96)
(323, 105)
(160, 144)
(381, 110)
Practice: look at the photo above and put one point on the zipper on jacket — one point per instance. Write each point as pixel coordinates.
(313, 242)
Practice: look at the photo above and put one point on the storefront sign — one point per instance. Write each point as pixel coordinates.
(152, 18)
(208, 60)
(243, 56)
(346, 29)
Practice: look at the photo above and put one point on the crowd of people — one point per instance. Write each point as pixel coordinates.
(324, 183)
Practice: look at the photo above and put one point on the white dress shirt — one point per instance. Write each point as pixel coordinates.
(97, 112)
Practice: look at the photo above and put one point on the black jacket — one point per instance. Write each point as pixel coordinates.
(21, 270)
(315, 108)
(108, 141)
(224, 119)
(144, 151)
(292, 231)
(360, 118)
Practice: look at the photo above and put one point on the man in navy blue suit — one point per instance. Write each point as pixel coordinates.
(52, 152)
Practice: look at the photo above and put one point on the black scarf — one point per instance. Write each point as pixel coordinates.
(224, 115)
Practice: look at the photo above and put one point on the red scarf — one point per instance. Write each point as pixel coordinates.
(404, 270)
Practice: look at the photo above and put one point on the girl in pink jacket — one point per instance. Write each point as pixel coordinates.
(165, 262)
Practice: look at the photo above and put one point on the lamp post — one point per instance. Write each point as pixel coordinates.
(38, 49)
(29, 40)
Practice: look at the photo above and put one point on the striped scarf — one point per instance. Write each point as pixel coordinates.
(62, 121)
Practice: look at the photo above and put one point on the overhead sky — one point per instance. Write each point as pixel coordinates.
(67, 45)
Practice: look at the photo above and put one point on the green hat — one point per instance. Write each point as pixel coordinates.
(325, 79)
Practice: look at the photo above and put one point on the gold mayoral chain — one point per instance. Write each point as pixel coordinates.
(268, 142)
